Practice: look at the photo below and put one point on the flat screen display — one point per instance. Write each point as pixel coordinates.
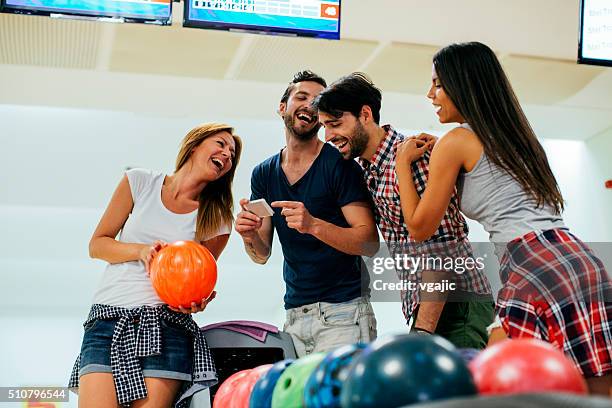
(158, 11)
(314, 18)
(595, 44)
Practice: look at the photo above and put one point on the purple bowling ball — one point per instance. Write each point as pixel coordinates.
(468, 354)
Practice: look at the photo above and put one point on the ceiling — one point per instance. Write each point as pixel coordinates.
(393, 42)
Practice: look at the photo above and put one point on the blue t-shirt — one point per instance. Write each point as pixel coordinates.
(314, 271)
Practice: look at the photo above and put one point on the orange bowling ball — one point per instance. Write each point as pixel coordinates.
(184, 272)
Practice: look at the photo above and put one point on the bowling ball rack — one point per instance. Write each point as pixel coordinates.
(233, 351)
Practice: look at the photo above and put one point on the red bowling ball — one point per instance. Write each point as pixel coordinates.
(242, 392)
(525, 366)
(225, 393)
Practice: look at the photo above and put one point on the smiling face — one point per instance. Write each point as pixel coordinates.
(445, 108)
(347, 133)
(297, 113)
(214, 156)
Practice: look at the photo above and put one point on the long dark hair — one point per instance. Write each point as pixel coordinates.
(473, 78)
(216, 201)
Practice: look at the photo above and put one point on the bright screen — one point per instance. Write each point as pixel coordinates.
(153, 10)
(316, 18)
(596, 32)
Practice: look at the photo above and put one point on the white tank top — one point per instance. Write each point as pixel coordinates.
(127, 284)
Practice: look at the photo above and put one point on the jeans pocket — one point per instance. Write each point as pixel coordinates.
(91, 324)
(340, 315)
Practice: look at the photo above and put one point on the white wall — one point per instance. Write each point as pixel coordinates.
(600, 149)
(58, 167)
(580, 171)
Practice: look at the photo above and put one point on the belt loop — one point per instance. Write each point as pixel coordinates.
(320, 309)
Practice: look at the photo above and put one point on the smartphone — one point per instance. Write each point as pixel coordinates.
(260, 208)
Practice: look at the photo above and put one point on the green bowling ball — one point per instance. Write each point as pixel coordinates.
(289, 389)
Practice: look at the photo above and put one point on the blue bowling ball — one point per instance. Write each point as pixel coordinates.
(324, 385)
(261, 396)
(406, 369)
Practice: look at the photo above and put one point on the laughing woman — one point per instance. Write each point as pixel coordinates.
(553, 287)
(136, 351)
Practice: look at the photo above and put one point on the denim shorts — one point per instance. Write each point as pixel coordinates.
(175, 361)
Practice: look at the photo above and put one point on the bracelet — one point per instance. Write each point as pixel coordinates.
(418, 329)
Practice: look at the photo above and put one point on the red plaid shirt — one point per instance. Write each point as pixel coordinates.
(383, 185)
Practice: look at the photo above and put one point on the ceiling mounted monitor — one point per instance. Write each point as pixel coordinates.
(309, 18)
(595, 37)
(131, 11)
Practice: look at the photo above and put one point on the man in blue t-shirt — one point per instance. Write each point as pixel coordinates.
(324, 222)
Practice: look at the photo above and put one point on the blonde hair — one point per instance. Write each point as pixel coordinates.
(216, 200)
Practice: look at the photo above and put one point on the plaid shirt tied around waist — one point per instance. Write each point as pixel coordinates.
(128, 345)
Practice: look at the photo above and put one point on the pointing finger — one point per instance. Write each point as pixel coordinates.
(286, 204)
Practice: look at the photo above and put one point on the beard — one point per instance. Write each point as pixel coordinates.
(358, 142)
(299, 133)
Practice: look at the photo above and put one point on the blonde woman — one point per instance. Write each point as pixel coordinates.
(137, 351)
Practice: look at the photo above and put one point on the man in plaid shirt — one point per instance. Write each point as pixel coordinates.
(350, 111)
